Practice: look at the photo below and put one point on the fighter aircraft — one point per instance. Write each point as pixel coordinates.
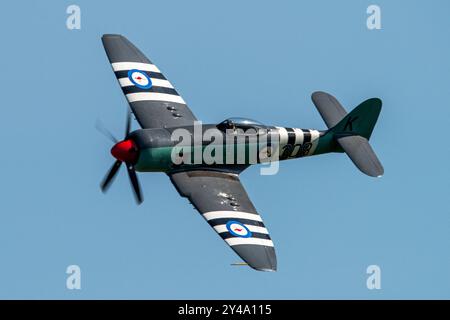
(215, 189)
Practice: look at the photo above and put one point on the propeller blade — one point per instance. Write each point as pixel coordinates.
(110, 176)
(135, 183)
(102, 129)
(128, 125)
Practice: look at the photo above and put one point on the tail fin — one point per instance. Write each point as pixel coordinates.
(353, 130)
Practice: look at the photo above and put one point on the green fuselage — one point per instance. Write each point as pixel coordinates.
(241, 150)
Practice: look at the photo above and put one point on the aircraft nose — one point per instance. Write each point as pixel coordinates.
(125, 151)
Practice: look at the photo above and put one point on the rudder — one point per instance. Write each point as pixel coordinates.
(361, 120)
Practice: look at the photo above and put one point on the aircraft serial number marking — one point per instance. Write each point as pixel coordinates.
(303, 150)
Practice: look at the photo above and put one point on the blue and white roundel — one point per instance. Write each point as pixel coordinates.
(140, 79)
(237, 229)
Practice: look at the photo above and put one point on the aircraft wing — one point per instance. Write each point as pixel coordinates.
(153, 99)
(223, 202)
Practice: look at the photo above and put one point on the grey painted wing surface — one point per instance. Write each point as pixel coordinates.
(362, 155)
(153, 99)
(329, 108)
(223, 202)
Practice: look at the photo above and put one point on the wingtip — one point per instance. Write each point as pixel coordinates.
(260, 258)
(266, 269)
(374, 174)
(379, 173)
(111, 36)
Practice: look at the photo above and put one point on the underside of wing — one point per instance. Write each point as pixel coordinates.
(223, 202)
(153, 99)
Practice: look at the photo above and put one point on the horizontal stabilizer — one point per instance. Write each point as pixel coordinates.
(361, 153)
(329, 108)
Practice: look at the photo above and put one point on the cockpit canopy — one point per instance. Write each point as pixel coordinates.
(239, 123)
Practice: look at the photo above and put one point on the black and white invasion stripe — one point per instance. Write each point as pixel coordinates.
(161, 89)
(253, 222)
(295, 138)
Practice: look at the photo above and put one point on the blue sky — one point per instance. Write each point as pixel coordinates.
(257, 59)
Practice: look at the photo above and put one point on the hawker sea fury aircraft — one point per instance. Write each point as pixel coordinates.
(213, 187)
